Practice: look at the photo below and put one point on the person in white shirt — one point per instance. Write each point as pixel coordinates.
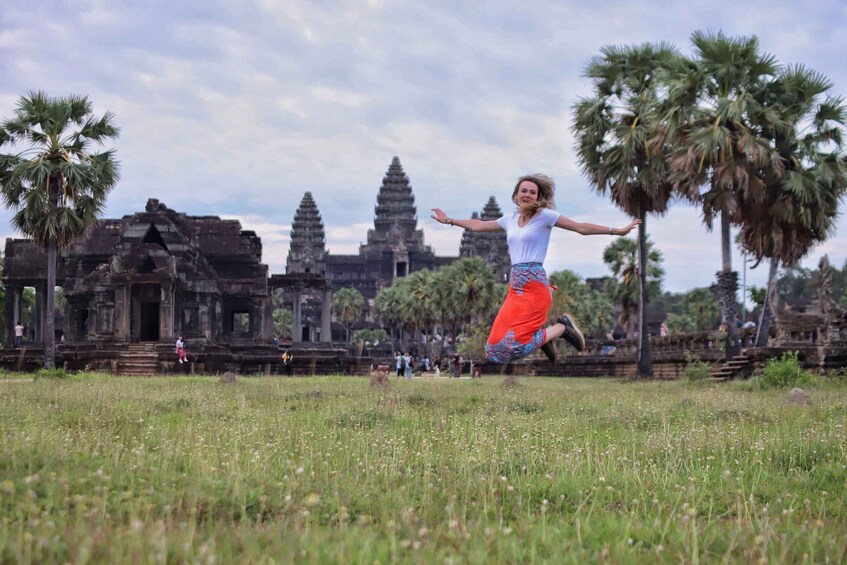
(519, 328)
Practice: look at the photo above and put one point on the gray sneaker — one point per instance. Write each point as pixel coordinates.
(572, 334)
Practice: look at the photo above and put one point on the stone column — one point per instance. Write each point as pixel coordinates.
(326, 316)
(166, 312)
(297, 328)
(122, 310)
(40, 317)
(12, 312)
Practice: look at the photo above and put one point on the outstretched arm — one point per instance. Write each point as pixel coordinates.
(593, 229)
(473, 225)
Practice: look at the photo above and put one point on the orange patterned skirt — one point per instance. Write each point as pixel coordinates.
(518, 329)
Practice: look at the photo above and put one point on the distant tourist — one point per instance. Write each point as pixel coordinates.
(663, 329)
(275, 340)
(400, 362)
(519, 329)
(286, 359)
(457, 365)
(407, 362)
(19, 334)
(749, 324)
(180, 350)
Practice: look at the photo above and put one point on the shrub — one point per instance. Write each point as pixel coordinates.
(784, 372)
(51, 374)
(696, 371)
(839, 375)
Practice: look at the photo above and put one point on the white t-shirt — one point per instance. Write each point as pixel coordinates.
(528, 244)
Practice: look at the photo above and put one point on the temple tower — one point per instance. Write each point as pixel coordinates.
(491, 246)
(307, 253)
(395, 230)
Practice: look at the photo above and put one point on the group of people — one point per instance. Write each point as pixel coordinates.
(405, 364)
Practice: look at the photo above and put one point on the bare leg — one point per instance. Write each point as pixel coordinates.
(553, 332)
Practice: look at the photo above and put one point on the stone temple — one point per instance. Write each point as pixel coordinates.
(395, 248)
(134, 284)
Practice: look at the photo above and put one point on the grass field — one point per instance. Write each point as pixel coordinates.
(105, 469)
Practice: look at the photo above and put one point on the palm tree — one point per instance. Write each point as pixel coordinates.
(720, 156)
(55, 184)
(621, 144)
(347, 305)
(469, 293)
(622, 256)
(419, 301)
(387, 307)
(805, 124)
(593, 310)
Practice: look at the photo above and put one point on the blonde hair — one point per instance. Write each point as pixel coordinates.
(546, 190)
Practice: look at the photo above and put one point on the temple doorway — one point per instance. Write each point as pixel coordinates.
(146, 299)
(149, 330)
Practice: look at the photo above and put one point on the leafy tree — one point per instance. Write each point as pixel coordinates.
(757, 295)
(804, 122)
(720, 158)
(468, 292)
(593, 310)
(347, 305)
(283, 322)
(388, 305)
(621, 147)
(373, 336)
(476, 336)
(622, 258)
(55, 184)
(795, 283)
(420, 309)
(698, 311)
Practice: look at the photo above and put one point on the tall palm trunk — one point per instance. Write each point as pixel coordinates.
(645, 358)
(728, 291)
(52, 246)
(766, 317)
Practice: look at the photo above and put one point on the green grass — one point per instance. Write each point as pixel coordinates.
(123, 470)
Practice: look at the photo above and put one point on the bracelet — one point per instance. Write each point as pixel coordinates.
(449, 221)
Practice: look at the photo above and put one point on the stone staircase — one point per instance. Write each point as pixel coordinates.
(737, 366)
(139, 359)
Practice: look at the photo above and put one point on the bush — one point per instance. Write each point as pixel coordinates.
(784, 372)
(695, 371)
(839, 375)
(51, 374)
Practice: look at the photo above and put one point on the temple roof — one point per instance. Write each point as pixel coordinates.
(492, 210)
(307, 251)
(395, 203)
(202, 244)
(308, 227)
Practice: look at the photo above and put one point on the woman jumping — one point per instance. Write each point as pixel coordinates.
(519, 328)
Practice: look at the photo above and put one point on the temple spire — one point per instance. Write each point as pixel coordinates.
(395, 221)
(395, 203)
(491, 246)
(307, 253)
(492, 210)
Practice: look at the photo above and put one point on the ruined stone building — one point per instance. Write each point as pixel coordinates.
(150, 277)
(395, 248)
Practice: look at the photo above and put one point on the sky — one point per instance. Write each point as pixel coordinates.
(236, 109)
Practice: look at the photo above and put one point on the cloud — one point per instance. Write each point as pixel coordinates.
(240, 109)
